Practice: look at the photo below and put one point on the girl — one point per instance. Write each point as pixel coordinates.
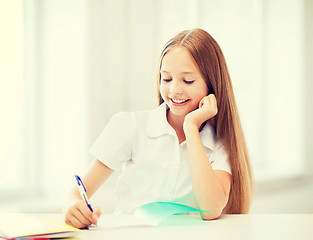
(190, 150)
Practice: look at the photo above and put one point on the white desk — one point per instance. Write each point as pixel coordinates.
(254, 226)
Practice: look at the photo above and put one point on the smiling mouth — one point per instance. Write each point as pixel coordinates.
(179, 101)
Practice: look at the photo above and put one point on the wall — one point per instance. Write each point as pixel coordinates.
(308, 20)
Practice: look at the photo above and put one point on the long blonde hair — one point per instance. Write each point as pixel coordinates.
(212, 65)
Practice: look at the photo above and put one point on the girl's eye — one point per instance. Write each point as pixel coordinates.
(188, 82)
(166, 80)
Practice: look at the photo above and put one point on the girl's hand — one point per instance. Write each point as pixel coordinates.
(80, 216)
(207, 109)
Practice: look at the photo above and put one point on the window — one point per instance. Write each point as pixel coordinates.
(65, 69)
(12, 95)
(43, 99)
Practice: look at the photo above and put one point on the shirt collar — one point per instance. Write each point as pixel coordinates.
(158, 125)
(157, 122)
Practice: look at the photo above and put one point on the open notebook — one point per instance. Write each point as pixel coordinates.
(27, 225)
(43, 226)
(150, 214)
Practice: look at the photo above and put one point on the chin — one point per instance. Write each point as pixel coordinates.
(178, 113)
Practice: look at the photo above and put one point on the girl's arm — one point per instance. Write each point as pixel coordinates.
(76, 211)
(211, 188)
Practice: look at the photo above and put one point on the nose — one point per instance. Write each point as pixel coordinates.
(176, 87)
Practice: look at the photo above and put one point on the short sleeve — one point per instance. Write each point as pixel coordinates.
(114, 144)
(219, 160)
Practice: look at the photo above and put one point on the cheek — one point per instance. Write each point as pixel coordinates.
(197, 101)
(199, 93)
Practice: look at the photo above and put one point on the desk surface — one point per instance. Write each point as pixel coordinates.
(251, 226)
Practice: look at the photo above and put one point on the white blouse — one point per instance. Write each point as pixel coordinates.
(154, 165)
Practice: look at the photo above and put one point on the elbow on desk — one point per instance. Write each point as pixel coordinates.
(215, 209)
(211, 216)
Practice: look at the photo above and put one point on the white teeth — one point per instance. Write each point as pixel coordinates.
(179, 100)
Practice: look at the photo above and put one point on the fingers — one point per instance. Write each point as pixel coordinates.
(203, 100)
(96, 214)
(80, 216)
(210, 103)
(207, 109)
(213, 104)
(212, 98)
(74, 221)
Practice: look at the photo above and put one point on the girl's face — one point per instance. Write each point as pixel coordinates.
(182, 86)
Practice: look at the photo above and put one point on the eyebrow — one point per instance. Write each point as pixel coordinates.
(164, 71)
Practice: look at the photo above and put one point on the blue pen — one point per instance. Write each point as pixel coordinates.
(82, 191)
